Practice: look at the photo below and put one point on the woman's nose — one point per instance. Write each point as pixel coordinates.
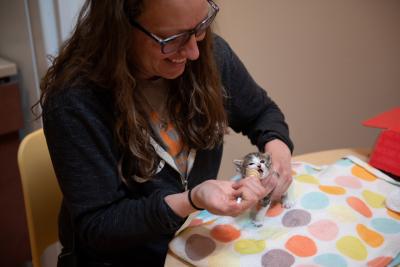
(190, 50)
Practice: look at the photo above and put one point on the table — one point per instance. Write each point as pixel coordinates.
(316, 158)
(330, 156)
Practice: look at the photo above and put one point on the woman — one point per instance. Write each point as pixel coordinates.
(134, 110)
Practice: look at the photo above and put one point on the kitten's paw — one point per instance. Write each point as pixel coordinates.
(288, 204)
(257, 224)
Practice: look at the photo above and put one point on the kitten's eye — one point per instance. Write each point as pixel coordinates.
(262, 161)
(251, 163)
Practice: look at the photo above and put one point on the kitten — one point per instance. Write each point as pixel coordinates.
(260, 165)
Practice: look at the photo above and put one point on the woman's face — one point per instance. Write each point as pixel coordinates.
(165, 18)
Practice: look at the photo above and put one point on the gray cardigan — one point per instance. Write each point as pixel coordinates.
(132, 226)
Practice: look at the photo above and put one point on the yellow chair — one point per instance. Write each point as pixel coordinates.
(42, 195)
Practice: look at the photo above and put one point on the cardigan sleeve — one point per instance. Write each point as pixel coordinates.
(250, 110)
(84, 155)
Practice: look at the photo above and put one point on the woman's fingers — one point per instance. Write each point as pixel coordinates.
(221, 197)
(253, 184)
(218, 197)
(284, 179)
(270, 183)
(281, 188)
(281, 158)
(251, 192)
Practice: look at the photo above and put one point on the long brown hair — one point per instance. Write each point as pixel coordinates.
(98, 51)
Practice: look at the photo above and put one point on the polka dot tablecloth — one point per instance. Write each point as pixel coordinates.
(340, 219)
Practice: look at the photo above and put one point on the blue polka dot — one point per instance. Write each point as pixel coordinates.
(204, 215)
(386, 226)
(310, 170)
(314, 201)
(344, 162)
(395, 262)
(330, 260)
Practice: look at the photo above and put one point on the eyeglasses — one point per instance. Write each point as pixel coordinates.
(176, 42)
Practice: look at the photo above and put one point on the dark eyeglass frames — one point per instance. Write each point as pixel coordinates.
(175, 42)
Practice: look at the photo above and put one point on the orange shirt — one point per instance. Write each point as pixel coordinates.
(172, 142)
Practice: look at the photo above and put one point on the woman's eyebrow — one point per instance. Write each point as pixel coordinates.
(171, 31)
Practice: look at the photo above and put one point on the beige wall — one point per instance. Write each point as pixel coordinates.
(328, 64)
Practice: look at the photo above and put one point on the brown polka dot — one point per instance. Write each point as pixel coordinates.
(295, 218)
(277, 258)
(198, 247)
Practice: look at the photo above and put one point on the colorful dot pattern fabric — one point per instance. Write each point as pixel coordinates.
(339, 220)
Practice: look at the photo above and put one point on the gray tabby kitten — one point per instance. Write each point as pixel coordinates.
(260, 165)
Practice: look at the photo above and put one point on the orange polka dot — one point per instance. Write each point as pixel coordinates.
(393, 214)
(294, 173)
(370, 237)
(301, 246)
(359, 206)
(225, 233)
(362, 173)
(333, 190)
(380, 262)
(275, 210)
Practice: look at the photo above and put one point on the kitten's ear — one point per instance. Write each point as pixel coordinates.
(269, 159)
(238, 162)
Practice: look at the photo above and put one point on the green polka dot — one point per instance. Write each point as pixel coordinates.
(305, 178)
(352, 247)
(250, 246)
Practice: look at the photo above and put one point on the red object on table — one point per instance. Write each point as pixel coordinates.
(386, 153)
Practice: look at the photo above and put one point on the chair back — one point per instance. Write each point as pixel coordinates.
(42, 195)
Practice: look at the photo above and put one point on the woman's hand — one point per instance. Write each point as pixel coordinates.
(281, 165)
(220, 197)
(253, 189)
